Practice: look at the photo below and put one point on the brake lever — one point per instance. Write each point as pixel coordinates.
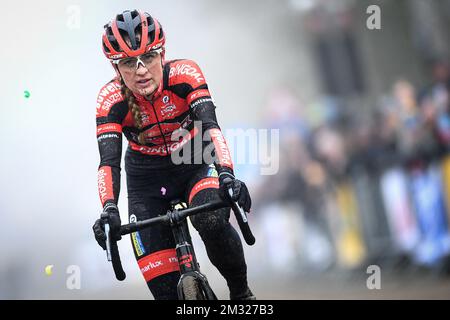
(241, 217)
(108, 243)
(237, 206)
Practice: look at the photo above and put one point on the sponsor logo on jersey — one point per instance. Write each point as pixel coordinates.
(205, 183)
(161, 149)
(108, 127)
(200, 101)
(168, 110)
(165, 99)
(102, 183)
(109, 95)
(223, 153)
(108, 135)
(199, 94)
(104, 174)
(212, 172)
(151, 265)
(136, 238)
(153, 135)
(158, 263)
(186, 69)
(145, 118)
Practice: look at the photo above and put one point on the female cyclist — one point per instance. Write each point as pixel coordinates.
(161, 107)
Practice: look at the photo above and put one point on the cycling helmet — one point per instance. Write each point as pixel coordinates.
(143, 32)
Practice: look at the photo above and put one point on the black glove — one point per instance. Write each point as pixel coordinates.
(111, 216)
(240, 191)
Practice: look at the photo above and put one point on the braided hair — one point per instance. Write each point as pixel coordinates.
(134, 108)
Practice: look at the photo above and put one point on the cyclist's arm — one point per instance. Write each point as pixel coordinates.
(109, 137)
(203, 109)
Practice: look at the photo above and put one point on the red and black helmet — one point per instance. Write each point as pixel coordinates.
(143, 32)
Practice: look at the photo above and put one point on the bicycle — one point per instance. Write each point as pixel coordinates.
(193, 285)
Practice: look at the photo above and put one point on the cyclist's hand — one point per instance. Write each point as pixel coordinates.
(240, 191)
(110, 215)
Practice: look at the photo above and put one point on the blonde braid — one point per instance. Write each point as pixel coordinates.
(134, 108)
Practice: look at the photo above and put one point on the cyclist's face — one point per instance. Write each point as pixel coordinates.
(143, 75)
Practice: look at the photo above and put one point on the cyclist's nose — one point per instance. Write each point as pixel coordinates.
(141, 69)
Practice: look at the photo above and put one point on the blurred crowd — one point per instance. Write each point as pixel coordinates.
(361, 188)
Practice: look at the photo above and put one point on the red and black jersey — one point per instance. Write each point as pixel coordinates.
(182, 100)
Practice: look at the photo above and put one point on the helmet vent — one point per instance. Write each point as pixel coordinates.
(151, 29)
(134, 14)
(120, 18)
(105, 48)
(112, 39)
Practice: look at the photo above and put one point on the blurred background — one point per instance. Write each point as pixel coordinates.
(364, 133)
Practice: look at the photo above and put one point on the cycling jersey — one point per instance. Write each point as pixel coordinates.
(181, 99)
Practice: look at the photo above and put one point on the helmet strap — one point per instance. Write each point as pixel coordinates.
(116, 69)
(163, 57)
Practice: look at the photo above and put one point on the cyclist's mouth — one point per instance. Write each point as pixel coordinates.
(143, 83)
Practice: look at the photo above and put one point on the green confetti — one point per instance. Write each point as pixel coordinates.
(26, 94)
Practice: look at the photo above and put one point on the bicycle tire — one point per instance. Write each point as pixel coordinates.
(191, 289)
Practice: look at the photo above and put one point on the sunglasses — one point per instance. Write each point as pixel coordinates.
(145, 59)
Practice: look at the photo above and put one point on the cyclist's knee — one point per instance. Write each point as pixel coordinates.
(209, 223)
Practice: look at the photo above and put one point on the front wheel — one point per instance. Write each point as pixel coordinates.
(191, 289)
